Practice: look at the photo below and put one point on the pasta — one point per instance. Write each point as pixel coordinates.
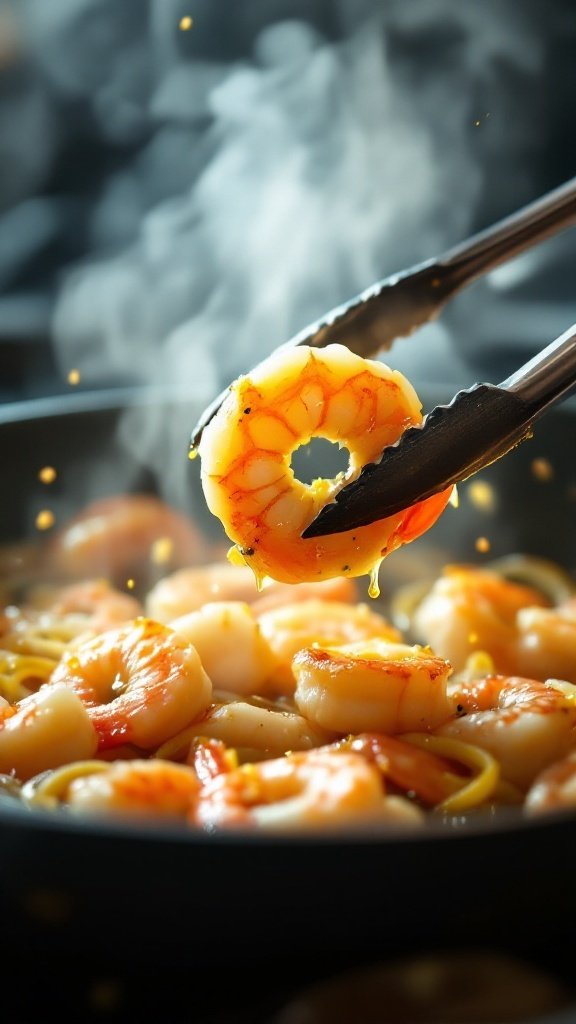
(290, 710)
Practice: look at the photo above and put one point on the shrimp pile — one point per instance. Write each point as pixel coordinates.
(272, 695)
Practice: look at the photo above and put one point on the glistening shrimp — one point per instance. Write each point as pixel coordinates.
(315, 789)
(141, 683)
(372, 686)
(248, 482)
(524, 723)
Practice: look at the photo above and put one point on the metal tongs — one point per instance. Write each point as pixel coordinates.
(480, 424)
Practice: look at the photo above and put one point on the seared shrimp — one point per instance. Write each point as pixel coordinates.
(524, 723)
(372, 686)
(554, 789)
(316, 623)
(320, 788)
(124, 536)
(140, 683)
(188, 590)
(469, 609)
(546, 642)
(246, 449)
(231, 646)
(93, 605)
(156, 789)
(47, 729)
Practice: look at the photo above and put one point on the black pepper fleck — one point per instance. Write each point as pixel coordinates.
(247, 411)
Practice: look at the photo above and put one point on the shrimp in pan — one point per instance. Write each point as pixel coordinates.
(372, 686)
(317, 788)
(246, 449)
(525, 723)
(554, 789)
(141, 683)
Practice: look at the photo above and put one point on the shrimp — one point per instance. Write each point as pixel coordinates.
(318, 788)
(189, 589)
(250, 487)
(316, 623)
(269, 731)
(155, 788)
(469, 609)
(546, 642)
(525, 724)
(94, 604)
(47, 729)
(553, 789)
(124, 536)
(141, 683)
(232, 648)
(372, 686)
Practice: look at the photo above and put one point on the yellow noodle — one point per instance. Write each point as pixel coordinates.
(475, 791)
(17, 669)
(51, 788)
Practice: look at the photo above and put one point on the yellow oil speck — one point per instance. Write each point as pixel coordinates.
(44, 519)
(192, 452)
(542, 470)
(74, 377)
(482, 495)
(47, 475)
(472, 638)
(482, 544)
(476, 124)
(130, 584)
(162, 550)
(186, 23)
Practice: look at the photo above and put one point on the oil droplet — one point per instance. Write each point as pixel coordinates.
(186, 23)
(130, 584)
(472, 638)
(44, 519)
(73, 663)
(162, 550)
(454, 498)
(74, 377)
(482, 544)
(47, 475)
(482, 495)
(374, 586)
(192, 452)
(542, 470)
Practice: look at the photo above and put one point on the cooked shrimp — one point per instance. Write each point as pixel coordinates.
(554, 789)
(246, 449)
(320, 788)
(156, 789)
(238, 724)
(47, 729)
(188, 590)
(372, 686)
(124, 536)
(524, 723)
(546, 641)
(94, 604)
(469, 609)
(316, 623)
(232, 648)
(141, 683)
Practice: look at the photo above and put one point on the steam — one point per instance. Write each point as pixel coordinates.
(274, 187)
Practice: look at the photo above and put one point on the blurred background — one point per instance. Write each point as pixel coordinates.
(186, 183)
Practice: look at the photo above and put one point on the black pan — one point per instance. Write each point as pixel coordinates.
(103, 900)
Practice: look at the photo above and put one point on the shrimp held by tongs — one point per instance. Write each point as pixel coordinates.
(482, 423)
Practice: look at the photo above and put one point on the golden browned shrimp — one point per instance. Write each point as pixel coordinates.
(372, 686)
(124, 536)
(44, 730)
(140, 683)
(316, 623)
(554, 789)
(524, 723)
(246, 449)
(94, 603)
(470, 609)
(187, 590)
(148, 789)
(318, 788)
